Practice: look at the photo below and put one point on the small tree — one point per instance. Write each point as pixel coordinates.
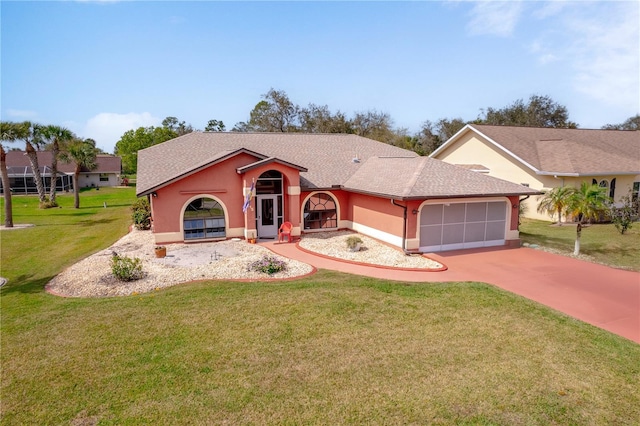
(623, 216)
(141, 214)
(556, 200)
(587, 203)
(83, 153)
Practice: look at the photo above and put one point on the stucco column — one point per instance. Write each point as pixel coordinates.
(293, 208)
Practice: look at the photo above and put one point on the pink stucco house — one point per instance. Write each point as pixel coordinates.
(199, 183)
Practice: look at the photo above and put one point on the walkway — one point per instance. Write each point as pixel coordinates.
(605, 297)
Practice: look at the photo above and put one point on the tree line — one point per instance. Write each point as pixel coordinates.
(275, 112)
(64, 146)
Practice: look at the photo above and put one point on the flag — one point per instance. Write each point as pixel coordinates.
(247, 201)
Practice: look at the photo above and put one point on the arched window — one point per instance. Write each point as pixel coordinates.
(204, 218)
(320, 212)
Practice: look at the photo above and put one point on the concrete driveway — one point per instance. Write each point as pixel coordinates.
(599, 295)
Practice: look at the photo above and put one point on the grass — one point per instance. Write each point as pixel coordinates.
(601, 243)
(330, 349)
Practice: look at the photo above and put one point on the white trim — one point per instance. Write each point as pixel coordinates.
(195, 197)
(377, 234)
(454, 138)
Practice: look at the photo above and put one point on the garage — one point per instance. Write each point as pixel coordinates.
(461, 225)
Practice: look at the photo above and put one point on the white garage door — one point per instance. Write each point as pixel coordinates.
(456, 226)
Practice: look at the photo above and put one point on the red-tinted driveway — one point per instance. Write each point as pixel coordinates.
(605, 297)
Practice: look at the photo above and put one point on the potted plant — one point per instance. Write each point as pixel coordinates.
(161, 251)
(354, 243)
(250, 238)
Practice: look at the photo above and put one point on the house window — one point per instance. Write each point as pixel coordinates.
(204, 218)
(320, 212)
(635, 191)
(104, 177)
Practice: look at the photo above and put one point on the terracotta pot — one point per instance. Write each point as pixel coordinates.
(161, 252)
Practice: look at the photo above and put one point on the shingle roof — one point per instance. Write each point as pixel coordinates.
(354, 162)
(106, 163)
(424, 177)
(327, 157)
(569, 151)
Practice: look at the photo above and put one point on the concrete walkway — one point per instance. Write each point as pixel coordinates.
(599, 295)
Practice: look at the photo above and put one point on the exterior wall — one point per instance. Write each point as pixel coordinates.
(222, 183)
(93, 179)
(377, 217)
(473, 149)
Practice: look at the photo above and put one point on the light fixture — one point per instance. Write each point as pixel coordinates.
(154, 194)
(414, 211)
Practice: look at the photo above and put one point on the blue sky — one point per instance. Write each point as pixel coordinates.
(103, 67)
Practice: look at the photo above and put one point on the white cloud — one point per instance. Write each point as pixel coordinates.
(21, 113)
(107, 128)
(494, 18)
(605, 56)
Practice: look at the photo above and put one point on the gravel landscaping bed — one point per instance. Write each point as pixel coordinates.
(92, 276)
(334, 244)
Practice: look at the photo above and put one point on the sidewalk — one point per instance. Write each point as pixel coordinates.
(599, 295)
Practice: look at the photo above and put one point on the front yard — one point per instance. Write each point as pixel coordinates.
(328, 349)
(600, 243)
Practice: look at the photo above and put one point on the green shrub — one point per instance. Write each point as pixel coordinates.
(353, 241)
(125, 268)
(268, 265)
(141, 214)
(623, 216)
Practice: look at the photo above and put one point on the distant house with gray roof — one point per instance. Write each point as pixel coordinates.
(214, 185)
(545, 158)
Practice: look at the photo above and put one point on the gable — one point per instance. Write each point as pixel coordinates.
(568, 152)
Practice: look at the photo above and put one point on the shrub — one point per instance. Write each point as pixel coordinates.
(353, 241)
(268, 265)
(141, 214)
(125, 268)
(623, 217)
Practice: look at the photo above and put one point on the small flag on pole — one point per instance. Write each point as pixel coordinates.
(247, 201)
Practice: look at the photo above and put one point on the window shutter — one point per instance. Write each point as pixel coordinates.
(612, 190)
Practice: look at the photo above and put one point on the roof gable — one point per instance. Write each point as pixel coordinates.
(328, 159)
(570, 152)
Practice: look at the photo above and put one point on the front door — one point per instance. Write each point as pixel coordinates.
(267, 215)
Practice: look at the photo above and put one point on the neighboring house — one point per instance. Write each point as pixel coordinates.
(21, 176)
(545, 158)
(199, 183)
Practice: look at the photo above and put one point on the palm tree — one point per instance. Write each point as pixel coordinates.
(31, 134)
(7, 133)
(556, 200)
(587, 203)
(58, 138)
(83, 153)
(6, 187)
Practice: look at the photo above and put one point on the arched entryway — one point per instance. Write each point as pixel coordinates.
(269, 204)
(204, 218)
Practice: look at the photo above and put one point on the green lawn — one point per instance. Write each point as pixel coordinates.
(329, 349)
(601, 243)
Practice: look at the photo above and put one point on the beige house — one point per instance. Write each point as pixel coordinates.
(545, 158)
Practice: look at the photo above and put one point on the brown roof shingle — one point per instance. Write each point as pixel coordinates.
(424, 177)
(349, 161)
(106, 163)
(569, 151)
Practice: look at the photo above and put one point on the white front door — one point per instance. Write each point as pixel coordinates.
(267, 215)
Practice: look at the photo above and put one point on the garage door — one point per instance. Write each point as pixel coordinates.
(456, 226)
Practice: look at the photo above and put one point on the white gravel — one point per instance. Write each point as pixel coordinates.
(334, 244)
(92, 276)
